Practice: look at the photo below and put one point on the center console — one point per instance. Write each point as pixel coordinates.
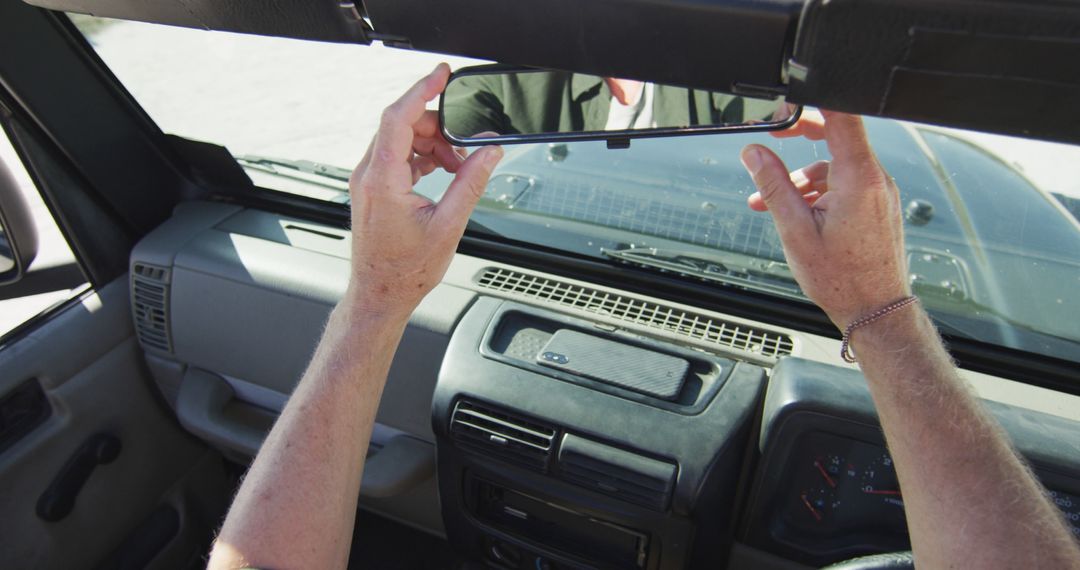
(566, 444)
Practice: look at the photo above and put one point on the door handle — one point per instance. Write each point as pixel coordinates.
(59, 498)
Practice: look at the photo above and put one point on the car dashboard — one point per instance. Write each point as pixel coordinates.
(537, 421)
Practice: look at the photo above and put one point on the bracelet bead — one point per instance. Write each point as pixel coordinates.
(845, 343)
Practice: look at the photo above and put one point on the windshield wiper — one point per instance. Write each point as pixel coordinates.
(720, 266)
(310, 172)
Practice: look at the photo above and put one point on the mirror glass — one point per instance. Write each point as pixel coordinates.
(7, 257)
(491, 103)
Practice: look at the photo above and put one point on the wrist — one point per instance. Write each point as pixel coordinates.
(858, 305)
(905, 327)
(360, 308)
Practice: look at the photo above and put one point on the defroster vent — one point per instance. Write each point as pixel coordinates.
(150, 306)
(630, 309)
(504, 435)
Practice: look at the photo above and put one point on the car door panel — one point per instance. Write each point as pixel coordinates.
(90, 369)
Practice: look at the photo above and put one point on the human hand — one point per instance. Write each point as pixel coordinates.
(811, 125)
(839, 222)
(403, 242)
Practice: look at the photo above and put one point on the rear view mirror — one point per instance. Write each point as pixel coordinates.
(497, 104)
(18, 235)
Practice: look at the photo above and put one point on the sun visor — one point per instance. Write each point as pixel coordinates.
(1007, 66)
(320, 20)
(727, 45)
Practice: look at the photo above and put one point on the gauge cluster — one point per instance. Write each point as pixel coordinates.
(1070, 509)
(844, 486)
(839, 497)
(825, 489)
(841, 488)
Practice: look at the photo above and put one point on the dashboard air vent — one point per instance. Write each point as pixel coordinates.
(507, 436)
(150, 306)
(637, 311)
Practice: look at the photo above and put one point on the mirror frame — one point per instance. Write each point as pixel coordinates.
(615, 139)
(18, 224)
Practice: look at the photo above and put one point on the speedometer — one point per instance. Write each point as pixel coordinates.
(1070, 508)
(881, 491)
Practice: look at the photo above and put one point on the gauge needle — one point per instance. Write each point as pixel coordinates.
(824, 474)
(813, 511)
(878, 492)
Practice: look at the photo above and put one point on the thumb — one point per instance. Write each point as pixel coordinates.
(468, 186)
(789, 210)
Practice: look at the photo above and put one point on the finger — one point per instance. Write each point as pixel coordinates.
(847, 139)
(361, 167)
(789, 210)
(421, 167)
(427, 125)
(812, 179)
(443, 153)
(811, 125)
(393, 143)
(468, 186)
(757, 203)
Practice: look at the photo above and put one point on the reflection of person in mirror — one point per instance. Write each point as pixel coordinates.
(555, 101)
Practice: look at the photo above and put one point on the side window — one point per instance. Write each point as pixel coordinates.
(52, 274)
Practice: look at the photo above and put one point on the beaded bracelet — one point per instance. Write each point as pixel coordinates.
(845, 343)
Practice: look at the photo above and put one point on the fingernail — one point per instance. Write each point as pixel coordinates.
(494, 155)
(798, 178)
(751, 159)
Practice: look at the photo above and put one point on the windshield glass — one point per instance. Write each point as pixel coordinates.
(991, 221)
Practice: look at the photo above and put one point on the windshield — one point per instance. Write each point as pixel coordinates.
(992, 232)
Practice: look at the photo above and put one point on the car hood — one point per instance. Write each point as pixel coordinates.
(991, 252)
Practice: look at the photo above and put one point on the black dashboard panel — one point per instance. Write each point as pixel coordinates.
(825, 489)
(528, 452)
(517, 335)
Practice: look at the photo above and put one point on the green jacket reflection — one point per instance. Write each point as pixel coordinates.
(555, 101)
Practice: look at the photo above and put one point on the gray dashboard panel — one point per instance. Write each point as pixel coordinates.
(250, 294)
(189, 219)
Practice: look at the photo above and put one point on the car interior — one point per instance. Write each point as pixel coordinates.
(617, 371)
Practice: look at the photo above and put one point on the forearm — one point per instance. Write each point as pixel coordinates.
(967, 495)
(283, 517)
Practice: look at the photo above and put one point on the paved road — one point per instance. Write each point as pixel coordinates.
(260, 95)
(322, 101)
